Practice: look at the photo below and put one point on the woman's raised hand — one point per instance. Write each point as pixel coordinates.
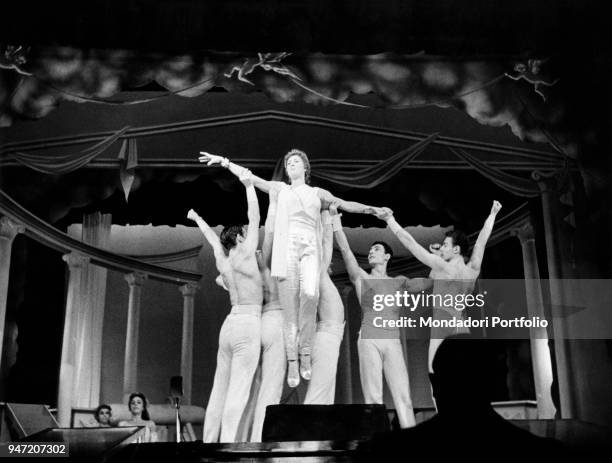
(210, 159)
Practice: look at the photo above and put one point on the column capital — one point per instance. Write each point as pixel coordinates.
(135, 278)
(75, 259)
(189, 289)
(524, 232)
(9, 228)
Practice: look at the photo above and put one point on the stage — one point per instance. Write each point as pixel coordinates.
(120, 445)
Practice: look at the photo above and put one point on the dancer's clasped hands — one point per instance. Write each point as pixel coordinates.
(383, 213)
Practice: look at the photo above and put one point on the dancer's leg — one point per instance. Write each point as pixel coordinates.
(273, 368)
(309, 296)
(370, 370)
(245, 428)
(246, 344)
(325, 352)
(214, 410)
(288, 294)
(396, 374)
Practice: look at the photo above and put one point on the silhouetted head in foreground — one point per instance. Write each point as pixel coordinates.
(461, 377)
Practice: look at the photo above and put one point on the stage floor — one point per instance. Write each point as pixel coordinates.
(303, 451)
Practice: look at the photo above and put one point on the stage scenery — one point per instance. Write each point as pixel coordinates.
(305, 231)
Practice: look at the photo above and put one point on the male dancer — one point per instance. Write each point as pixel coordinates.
(380, 349)
(330, 328)
(452, 274)
(273, 361)
(239, 339)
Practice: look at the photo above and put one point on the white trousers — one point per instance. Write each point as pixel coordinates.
(273, 368)
(299, 292)
(325, 352)
(385, 355)
(237, 360)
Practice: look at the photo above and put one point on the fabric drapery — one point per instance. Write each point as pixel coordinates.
(367, 177)
(512, 183)
(56, 165)
(128, 155)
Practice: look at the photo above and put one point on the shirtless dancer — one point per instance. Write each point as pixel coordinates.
(451, 273)
(239, 339)
(380, 349)
(330, 328)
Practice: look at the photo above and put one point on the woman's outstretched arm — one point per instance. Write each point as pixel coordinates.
(258, 182)
(348, 206)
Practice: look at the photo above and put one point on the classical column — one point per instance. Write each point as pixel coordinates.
(8, 231)
(554, 237)
(188, 291)
(88, 367)
(538, 337)
(130, 365)
(74, 301)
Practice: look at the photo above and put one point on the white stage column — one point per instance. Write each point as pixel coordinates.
(76, 289)
(540, 353)
(188, 291)
(130, 366)
(8, 232)
(554, 236)
(88, 366)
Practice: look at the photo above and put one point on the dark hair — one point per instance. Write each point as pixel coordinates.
(459, 239)
(145, 412)
(305, 160)
(229, 235)
(462, 364)
(101, 407)
(388, 249)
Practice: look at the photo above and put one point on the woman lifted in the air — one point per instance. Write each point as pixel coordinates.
(296, 252)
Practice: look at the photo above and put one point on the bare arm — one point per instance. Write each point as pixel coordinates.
(266, 247)
(481, 242)
(212, 239)
(252, 236)
(238, 171)
(328, 239)
(348, 206)
(418, 251)
(352, 266)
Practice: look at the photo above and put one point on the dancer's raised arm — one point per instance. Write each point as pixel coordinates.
(252, 236)
(213, 240)
(258, 182)
(328, 240)
(483, 237)
(418, 251)
(356, 273)
(266, 247)
(348, 206)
